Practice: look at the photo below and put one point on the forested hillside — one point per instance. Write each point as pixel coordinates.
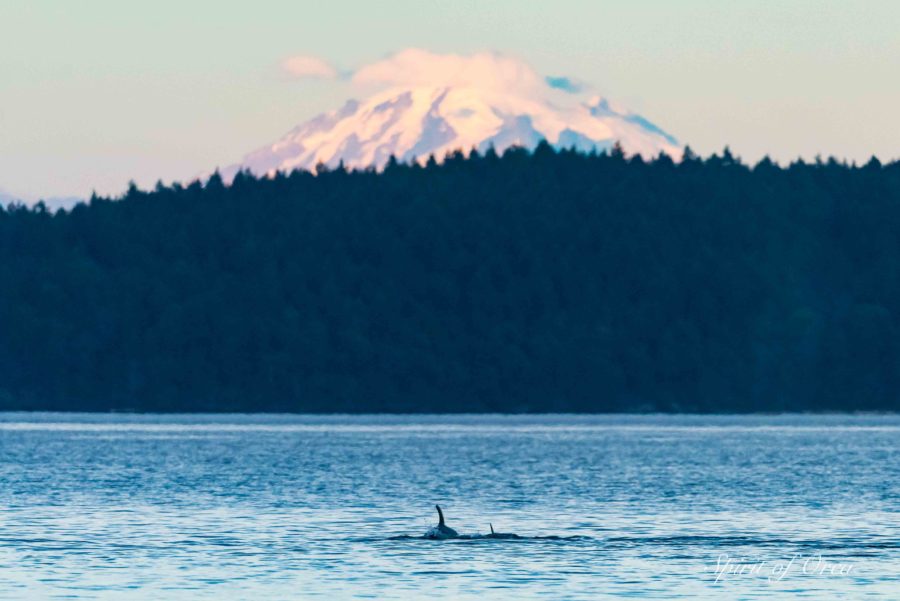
(552, 281)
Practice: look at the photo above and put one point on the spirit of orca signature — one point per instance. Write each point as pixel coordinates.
(812, 565)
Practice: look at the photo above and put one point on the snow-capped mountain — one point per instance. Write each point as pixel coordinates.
(439, 103)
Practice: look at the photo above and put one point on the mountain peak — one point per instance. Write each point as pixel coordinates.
(421, 115)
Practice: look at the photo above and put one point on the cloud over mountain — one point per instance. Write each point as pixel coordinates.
(485, 70)
(303, 66)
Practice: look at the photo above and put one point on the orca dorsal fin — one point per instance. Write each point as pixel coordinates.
(440, 515)
(492, 528)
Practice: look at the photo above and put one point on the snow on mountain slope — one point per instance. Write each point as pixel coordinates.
(422, 115)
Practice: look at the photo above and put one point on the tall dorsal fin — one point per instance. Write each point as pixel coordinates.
(440, 515)
(492, 528)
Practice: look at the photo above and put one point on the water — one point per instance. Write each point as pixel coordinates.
(276, 507)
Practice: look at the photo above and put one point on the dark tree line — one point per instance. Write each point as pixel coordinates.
(544, 281)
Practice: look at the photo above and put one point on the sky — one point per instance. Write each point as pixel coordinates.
(95, 93)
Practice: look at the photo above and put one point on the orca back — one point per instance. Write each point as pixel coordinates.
(441, 531)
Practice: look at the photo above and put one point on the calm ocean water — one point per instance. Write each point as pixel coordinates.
(285, 507)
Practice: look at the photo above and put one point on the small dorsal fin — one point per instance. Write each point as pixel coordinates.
(440, 515)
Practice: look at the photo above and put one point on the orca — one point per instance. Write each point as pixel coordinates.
(504, 535)
(441, 531)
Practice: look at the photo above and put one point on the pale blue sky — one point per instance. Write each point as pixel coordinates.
(96, 92)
